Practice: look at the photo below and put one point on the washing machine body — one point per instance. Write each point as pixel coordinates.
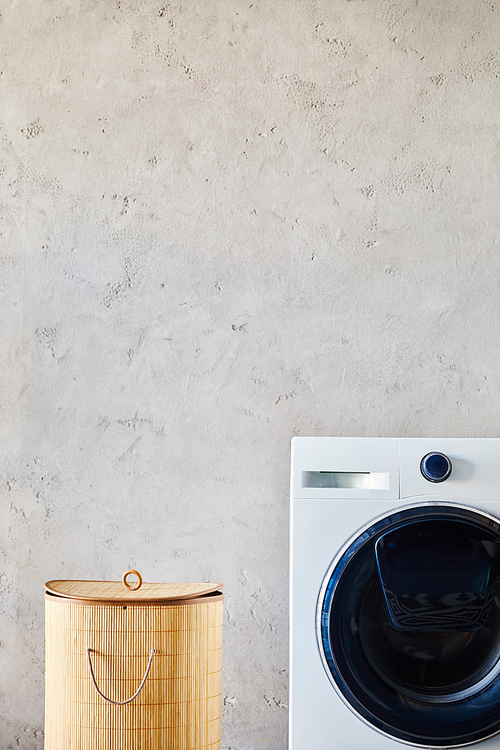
(395, 595)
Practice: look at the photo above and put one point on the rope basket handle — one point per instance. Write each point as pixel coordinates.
(121, 703)
(128, 585)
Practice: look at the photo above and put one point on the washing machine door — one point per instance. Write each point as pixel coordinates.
(408, 624)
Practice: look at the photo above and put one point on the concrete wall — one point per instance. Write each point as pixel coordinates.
(224, 223)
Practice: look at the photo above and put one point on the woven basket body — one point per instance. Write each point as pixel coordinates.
(178, 707)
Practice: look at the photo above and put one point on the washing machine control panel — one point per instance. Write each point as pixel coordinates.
(435, 467)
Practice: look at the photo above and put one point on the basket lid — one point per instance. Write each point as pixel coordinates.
(124, 591)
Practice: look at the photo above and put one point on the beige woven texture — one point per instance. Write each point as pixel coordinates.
(179, 706)
(115, 590)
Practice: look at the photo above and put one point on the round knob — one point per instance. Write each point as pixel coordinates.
(435, 467)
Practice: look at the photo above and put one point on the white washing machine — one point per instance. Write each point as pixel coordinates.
(395, 594)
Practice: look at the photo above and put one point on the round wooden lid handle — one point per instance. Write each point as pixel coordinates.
(130, 586)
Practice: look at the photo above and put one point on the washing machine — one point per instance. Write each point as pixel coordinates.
(395, 594)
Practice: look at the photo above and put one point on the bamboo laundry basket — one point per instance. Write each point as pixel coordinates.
(132, 666)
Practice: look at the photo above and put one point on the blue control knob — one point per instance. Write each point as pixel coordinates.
(435, 467)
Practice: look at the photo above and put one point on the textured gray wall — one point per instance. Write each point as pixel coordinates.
(224, 223)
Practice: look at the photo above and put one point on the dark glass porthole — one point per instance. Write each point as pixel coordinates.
(409, 625)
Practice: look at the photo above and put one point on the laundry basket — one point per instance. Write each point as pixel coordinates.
(132, 666)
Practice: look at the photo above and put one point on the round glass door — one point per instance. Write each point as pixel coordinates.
(408, 625)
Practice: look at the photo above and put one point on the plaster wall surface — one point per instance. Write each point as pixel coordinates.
(223, 224)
